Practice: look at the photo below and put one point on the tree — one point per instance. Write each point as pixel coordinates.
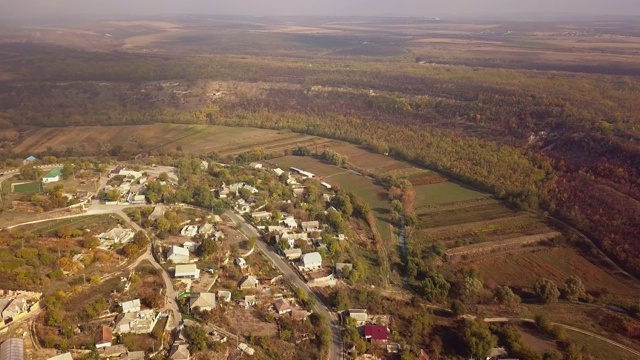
(504, 295)
(30, 172)
(163, 176)
(90, 241)
(574, 288)
(302, 151)
(478, 338)
(471, 287)
(434, 287)
(252, 242)
(197, 337)
(457, 307)
(207, 248)
(547, 291)
(113, 195)
(68, 170)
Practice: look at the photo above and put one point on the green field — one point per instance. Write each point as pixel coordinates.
(437, 194)
(80, 222)
(28, 188)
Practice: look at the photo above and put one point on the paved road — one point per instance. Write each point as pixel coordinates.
(335, 351)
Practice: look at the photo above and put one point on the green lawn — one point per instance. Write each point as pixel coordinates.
(436, 194)
(27, 188)
(81, 222)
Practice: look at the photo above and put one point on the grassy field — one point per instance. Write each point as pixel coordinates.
(522, 269)
(96, 222)
(481, 212)
(447, 192)
(28, 188)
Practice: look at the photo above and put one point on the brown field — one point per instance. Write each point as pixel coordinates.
(246, 323)
(522, 269)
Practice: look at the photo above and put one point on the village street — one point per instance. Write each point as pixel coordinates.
(335, 351)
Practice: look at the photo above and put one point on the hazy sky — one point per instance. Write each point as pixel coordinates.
(39, 8)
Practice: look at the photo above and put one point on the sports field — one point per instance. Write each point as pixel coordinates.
(27, 188)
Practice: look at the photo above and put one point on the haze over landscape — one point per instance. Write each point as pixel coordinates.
(419, 8)
(305, 179)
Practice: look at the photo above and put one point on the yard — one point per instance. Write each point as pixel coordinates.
(246, 323)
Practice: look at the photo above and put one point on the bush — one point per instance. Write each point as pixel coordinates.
(547, 291)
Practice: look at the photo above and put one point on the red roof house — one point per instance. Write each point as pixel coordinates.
(103, 337)
(376, 332)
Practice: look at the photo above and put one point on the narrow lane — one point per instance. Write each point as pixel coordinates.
(335, 351)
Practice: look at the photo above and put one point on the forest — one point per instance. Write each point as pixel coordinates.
(567, 143)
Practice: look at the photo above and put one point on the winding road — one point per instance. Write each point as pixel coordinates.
(335, 351)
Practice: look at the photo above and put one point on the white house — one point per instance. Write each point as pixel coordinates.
(190, 245)
(178, 255)
(310, 226)
(187, 271)
(255, 165)
(310, 261)
(241, 262)
(131, 306)
(290, 222)
(141, 322)
(261, 215)
(52, 176)
(114, 236)
(206, 229)
(278, 171)
(224, 295)
(189, 230)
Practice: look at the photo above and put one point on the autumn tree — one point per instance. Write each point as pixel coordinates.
(547, 291)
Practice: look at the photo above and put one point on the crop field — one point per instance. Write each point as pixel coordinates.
(447, 192)
(360, 185)
(473, 213)
(522, 269)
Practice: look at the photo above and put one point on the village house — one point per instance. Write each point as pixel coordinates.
(224, 295)
(242, 207)
(249, 300)
(248, 282)
(178, 255)
(189, 231)
(297, 190)
(255, 165)
(187, 271)
(300, 315)
(282, 306)
(278, 171)
(117, 235)
(240, 262)
(341, 268)
(179, 352)
(206, 230)
(261, 215)
(133, 355)
(29, 160)
(190, 245)
(52, 176)
(293, 254)
(375, 333)
(359, 315)
(310, 261)
(130, 306)
(103, 337)
(12, 307)
(309, 226)
(64, 356)
(202, 301)
(290, 223)
(218, 235)
(141, 322)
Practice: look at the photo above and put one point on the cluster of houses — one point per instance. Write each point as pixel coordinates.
(132, 320)
(131, 186)
(15, 304)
